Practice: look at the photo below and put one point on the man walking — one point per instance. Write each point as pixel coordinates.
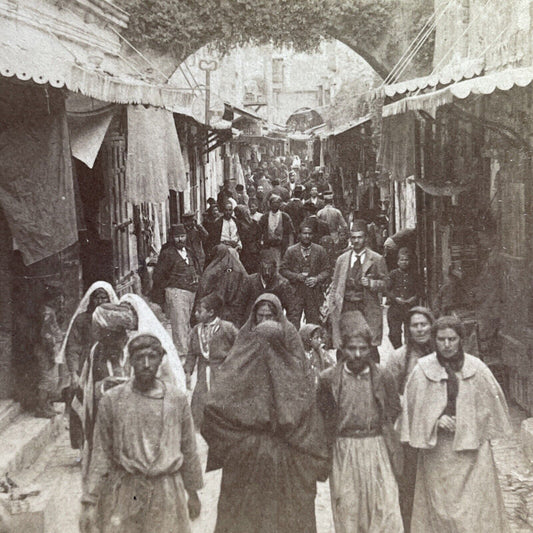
(276, 228)
(176, 273)
(295, 207)
(359, 278)
(331, 216)
(306, 266)
(225, 230)
(359, 402)
(144, 458)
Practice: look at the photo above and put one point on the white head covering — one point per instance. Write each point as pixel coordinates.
(171, 369)
(82, 307)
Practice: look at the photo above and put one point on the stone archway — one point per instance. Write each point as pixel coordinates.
(377, 30)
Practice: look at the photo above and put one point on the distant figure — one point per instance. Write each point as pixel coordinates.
(295, 206)
(196, 236)
(306, 266)
(48, 345)
(332, 216)
(403, 292)
(276, 228)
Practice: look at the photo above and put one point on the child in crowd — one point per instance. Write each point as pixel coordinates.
(209, 344)
(318, 356)
(403, 293)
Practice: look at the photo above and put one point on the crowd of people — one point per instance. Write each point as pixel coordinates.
(276, 322)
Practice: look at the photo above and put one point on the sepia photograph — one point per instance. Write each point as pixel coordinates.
(266, 266)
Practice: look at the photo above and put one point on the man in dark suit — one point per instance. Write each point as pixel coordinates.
(319, 227)
(295, 207)
(175, 282)
(306, 266)
(314, 199)
(276, 228)
(269, 280)
(225, 230)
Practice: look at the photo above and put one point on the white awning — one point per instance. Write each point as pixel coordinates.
(448, 75)
(504, 80)
(37, 54)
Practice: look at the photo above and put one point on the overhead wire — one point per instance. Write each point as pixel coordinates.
(415, 45)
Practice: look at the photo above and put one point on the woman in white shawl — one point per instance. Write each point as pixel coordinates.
(76, 348)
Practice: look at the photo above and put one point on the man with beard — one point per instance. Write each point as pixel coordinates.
(453, 407)
(269, 280)
(144, 456)
(306, 266)
(359, 402)
(175, 283)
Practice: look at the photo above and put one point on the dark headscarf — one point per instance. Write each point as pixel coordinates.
(225, 260)
(265, 385)
(306, 332)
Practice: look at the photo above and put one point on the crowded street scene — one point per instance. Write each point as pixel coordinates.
(266, 266)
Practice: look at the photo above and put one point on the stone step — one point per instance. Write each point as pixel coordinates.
(9, 410)
(24, 439)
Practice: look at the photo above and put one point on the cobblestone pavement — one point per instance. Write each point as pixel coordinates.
(58, 472)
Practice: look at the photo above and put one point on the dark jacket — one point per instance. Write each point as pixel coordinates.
(288, 230)
(280, 288)
(293, 264)
(295, 209)
(172, 271)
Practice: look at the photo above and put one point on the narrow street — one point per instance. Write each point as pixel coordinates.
(57, 474)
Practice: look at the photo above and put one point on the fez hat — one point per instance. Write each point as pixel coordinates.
(178, 229)
(359, 225)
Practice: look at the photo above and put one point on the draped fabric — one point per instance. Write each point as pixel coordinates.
(263, 428)
(155, 163)
(36, 187)
(397, 150)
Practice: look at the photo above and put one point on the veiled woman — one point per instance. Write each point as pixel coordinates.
(77, 346)
(226, 276)
(453, 407)
(264, 430)
(250, 234)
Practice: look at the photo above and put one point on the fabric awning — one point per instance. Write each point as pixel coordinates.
(456, 73)
(443, 189)
(154, 163)
(32, 53)
(504, 80)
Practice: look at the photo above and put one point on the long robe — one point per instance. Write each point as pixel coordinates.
(264, 430)
(456, 484)
(144, 458)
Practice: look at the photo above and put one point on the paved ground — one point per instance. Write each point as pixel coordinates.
(57, 472)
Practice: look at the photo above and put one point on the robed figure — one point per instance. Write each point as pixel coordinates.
(264, 430)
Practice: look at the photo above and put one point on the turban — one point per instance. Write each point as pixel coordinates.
(115, 317)
(353, 324)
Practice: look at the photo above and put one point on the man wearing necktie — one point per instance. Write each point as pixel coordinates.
(359, 278)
